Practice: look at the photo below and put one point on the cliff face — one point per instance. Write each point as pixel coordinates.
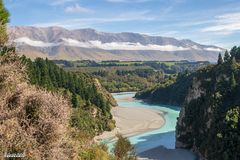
(209, 120)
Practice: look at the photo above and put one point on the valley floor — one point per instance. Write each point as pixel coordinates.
(133, 121)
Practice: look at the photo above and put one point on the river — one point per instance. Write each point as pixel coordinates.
(164, 136)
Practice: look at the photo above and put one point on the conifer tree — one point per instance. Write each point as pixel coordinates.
(233, 52)
(226, 57)
(220, 59)
(233, 82)
(233, 61)
(4, 19)
(238, 54)
(74, 101)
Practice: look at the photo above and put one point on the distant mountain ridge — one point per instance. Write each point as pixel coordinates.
(60, 43)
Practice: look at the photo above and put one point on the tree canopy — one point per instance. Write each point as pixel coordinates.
(220, 59)
(4, 19)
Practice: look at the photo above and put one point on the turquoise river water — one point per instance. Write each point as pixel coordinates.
(164, 136)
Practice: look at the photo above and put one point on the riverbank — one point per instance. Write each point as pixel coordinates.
(133, 121)
(162, 153)
(150, 143)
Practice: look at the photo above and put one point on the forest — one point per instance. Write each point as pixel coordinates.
(209, 122)
(53, 109)
(81, 89)
(212, 118)
(120, 76)
(49, 113)
(175, 88)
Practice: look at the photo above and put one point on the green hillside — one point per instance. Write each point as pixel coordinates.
(209, 121)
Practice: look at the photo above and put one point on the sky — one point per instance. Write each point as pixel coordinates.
(214, 22)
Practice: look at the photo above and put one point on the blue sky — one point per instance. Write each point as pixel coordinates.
(205, 21)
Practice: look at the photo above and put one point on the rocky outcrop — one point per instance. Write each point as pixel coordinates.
(204, 124)
(194, 93)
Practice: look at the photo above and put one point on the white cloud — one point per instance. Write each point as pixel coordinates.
(213, 49)
(90, 22)
(28, 41)
(225, 24)
(61, 2)
(136, 46)
(100, 45)
(111, 45)
(77, 9)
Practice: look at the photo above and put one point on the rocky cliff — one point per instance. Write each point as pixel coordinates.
(209, 122)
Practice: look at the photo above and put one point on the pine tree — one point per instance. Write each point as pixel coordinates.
(74, 101)
(233, 82)
(233, 61)
(238, 54)
(233, 52)
(226, 57)
(4, 19)
(220, 59)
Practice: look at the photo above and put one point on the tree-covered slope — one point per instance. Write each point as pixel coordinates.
(84, 92)
(48, 113)
(209, 121)
(120, 76)
(171, 91)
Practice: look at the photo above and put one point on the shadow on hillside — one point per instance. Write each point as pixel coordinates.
(164, 148)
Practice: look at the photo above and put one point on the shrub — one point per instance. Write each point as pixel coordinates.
(32, 121)
(98, 152)
(123, 150)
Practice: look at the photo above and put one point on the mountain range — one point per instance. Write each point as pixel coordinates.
(79, 44)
